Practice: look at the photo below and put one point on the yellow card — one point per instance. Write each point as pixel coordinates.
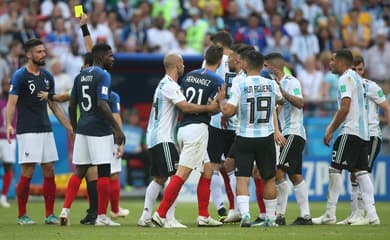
(78, 10)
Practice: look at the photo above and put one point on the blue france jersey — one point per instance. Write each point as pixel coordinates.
(198, 86)
(255, 98)
(32, 112)
(114, 102)
(92, 84)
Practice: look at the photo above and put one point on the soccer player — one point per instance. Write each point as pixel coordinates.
(254, 100)
(7, 151)
(376, 98)
(116, 164)
(222, 133)
(235, 65)
(351, 146)
(290, 158)
(199, 86)
(34, 132)
(167, 100)
(94, 143)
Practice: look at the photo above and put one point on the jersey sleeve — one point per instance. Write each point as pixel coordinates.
(115, 102)
(51, 82)
(345, 86)
(104, 86)
(16, 82)
(375, 93)
(294, 88)
(173, 93)
(235, 97)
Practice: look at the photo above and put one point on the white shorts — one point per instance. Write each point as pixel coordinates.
(116, 163)
(8, 151)
(93, 150)
(193, 139)
(36, 148)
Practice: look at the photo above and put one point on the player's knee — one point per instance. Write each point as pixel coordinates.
(160, 180)
(360, 173)
(228, 165)
(104, 170)
(335, 169)
(295, 178)
(48, 169)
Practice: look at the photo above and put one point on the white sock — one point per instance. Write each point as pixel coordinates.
(302, 196)
(270, 207)
(367, 190)
(282, 198)
(334, 188)
(243, 204)
(354, 196)
(171, 211)
(233, 185)
(360, 201)
(216, 190)
(151, 195)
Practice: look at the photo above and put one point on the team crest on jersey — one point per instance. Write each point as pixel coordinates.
(47, 84)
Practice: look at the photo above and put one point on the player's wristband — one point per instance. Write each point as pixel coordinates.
(84, 29)
(50, 96)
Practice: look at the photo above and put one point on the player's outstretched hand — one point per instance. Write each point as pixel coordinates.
(279, 138)
(221, 93)
(328, 137)
(120, 138)
(83, 19)
(43, 95)
(119, 151)
(212, 106)
(224, 122)
(10, 131)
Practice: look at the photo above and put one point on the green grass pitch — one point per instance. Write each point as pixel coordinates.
(186, 213)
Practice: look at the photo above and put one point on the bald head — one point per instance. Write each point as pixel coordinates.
(171, 60)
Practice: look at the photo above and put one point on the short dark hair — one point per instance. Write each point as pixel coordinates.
(357, 60)
(345, 54)
(272, 56)
(254, 59)
(32, 43)
(100, 49)
(88, 59)
(222, 37)
(236, 46)
(245, 48)
(213, 54)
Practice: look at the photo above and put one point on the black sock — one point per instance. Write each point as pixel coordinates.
(93, 197)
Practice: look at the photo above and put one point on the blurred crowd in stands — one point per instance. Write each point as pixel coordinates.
(304, 31)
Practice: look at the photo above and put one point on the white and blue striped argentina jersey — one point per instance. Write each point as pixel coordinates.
(291, 117)
(375, 97)
(255, 98)
(356, 122)
(163, 115)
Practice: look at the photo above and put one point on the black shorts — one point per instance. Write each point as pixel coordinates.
(261, 150)
(232, 152)
(350, 152)
(220, 141)
(290, 158)
(373, 150)
(164, 159)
